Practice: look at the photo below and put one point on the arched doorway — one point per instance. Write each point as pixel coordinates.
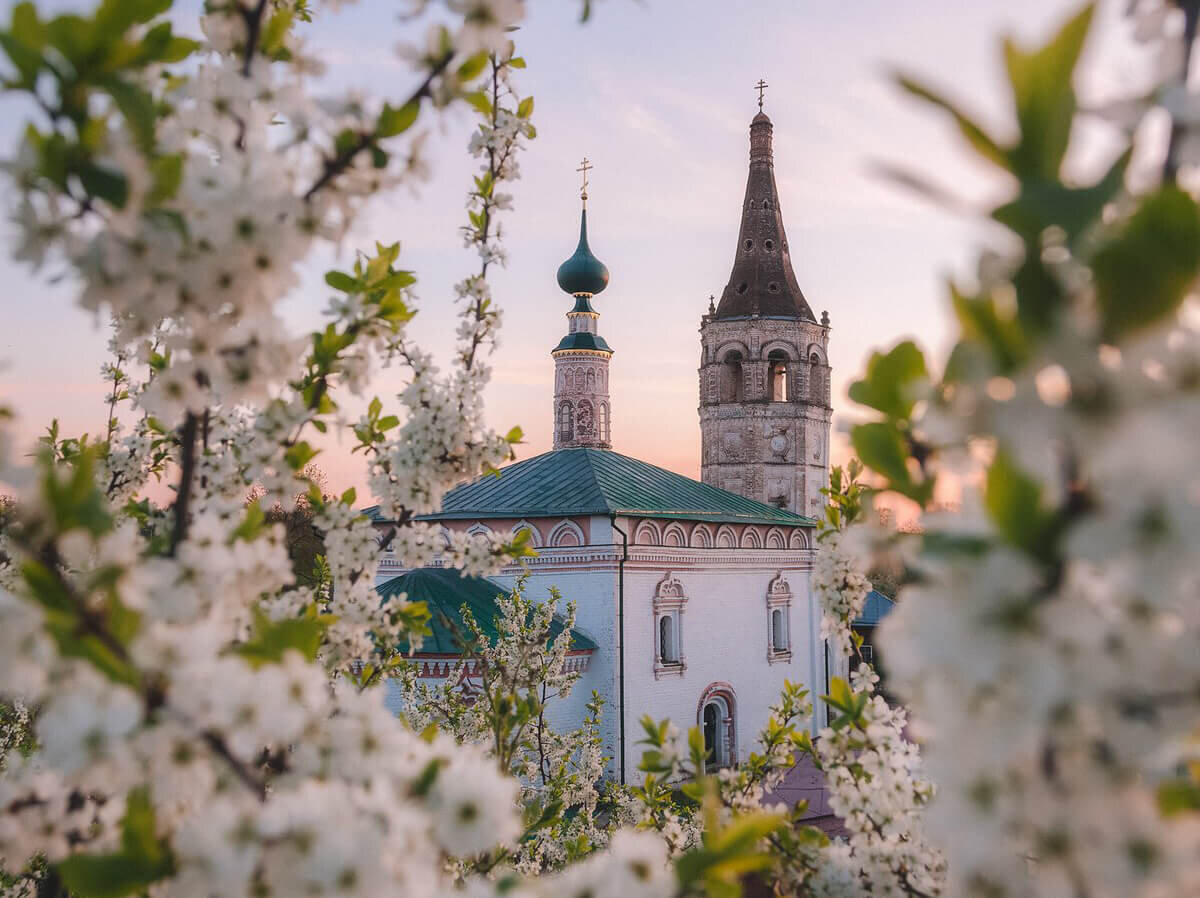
(716, 719)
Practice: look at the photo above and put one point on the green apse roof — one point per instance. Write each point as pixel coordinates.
(445, 591)
(600, 481)
(582, 340)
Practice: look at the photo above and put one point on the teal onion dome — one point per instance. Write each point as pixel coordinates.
(583, 272)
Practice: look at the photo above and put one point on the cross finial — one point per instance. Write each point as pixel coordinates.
(760, 87)
(584, 167)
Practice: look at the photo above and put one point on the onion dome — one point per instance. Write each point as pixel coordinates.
(583, 272)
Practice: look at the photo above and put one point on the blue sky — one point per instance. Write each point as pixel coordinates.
(659, 95)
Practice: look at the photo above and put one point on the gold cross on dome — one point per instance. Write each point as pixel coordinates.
(584, 167)
(760, 87)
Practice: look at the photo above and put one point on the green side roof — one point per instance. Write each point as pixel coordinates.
(583, 340)
(446, 591)
(602, 482)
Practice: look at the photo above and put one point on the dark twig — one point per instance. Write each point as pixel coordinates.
(253, 19)
(187, 466)
(340, 162)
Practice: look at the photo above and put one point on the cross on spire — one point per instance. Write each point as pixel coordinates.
(760, 87)
(584, 167)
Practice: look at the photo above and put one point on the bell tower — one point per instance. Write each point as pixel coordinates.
(582, 411)
(764, 366)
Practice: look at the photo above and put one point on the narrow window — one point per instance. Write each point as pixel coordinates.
(778, 634)
(604, 422)
(731, 377)
(666, 640)
(777, 375)
(566, 422)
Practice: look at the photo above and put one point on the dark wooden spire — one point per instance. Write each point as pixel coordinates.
(762, 281)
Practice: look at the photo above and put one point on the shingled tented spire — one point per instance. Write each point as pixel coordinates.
(762, 281)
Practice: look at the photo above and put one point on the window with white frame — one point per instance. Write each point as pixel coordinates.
(779, 606)
(669, 603)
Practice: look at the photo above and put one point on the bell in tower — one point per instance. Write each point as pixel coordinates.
(764, 369)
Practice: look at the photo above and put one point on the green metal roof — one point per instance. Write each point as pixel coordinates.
(445, 591)
(583, 340)
(600, 481)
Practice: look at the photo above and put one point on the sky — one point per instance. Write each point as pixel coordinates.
(658, 95)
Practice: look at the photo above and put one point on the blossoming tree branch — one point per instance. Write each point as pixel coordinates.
(182, 716)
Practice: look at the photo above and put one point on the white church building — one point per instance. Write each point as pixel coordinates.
(693, 599)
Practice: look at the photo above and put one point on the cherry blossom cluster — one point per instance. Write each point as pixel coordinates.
(1046, 639)
(842, 588)
(203, 722)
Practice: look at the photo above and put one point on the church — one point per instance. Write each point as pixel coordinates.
(693, 598)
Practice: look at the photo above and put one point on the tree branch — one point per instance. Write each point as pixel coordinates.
(187, 466)
(340, 162)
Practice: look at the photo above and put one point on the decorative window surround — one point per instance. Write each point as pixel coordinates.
(669, 603)
(779, 598)
(723, 696)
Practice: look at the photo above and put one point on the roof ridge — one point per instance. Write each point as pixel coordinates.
(604, 498)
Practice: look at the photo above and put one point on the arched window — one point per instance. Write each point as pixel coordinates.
(591, 379)
(566, 422)
(778, 631)
(666, 640)
(779, 602)
(731, 377)
(604, 422)
(777, 375)
(816, 383)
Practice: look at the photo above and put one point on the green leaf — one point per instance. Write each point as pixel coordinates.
(1013, 501)
(890, 380)
(167, 172)
(881, 448)
(979, 140)
(1144, 274)
(983, 323)
(1178, 796)
(178, 49)
(276, 31)
(525, 108)
(105, 184)
(299, 454)
(272, 639)
(137, 106)
(115, 17)
(1043, 203)
(349, 496)
(339, 280)
(141, 861)
(393, 121)
(1044, 97)
(481, 101)
(517, 62)
(473, 66)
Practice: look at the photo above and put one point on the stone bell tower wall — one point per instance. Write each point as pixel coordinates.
(771, 450)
